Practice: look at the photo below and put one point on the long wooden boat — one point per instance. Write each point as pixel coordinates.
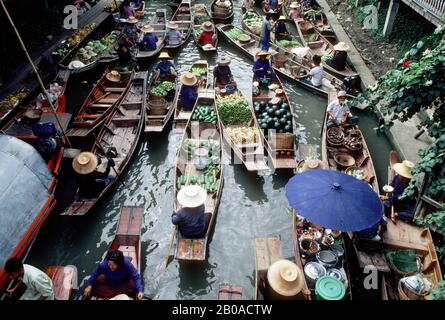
(182, 115)
(98, 106)
(121, 131)
(252, 14)
(267, 252)
(220, 15)
(158, 22)
(64, 280)
(183, 17)
(207, 134)
(280, 145)
(227, 291)
(292, 66)
(201, 15)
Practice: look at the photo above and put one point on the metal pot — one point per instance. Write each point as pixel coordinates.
(338, 250)
(327, 258)
(313, 270)
(307, 244)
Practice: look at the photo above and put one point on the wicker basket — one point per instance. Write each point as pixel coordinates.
(283, 141)
(157, 107)
(280, 59)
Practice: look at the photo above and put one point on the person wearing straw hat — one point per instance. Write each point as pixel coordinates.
(149, 41)
(262, 69)
(338, 112)
(191, 219)
(126, 10)
(404, 207)
(173, 37)
(207, 36)
(131, 30)
(295, 12)
(188, 94)
(284, 280)
(281, 32)
(266, 28)
(338, 61)
(165, 68)
(89, 180)
(222, 73)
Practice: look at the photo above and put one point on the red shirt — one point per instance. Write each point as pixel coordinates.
(206, 38)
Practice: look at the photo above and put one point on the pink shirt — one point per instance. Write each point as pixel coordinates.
(295, 14)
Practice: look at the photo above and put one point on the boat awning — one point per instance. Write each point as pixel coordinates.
(24, 182)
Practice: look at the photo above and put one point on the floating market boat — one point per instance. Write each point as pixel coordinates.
(252, 22)
(99, 104)
(284, 62)
(183, 18)
(273, 111)
(222, 11)
(120, 134)
(202, 134)
(64, 280)
(201, 15)
(227, 291)
(200, 69)
(158, 22)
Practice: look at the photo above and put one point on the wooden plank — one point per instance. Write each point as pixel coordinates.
(64, 279)
(267, 251)
(130, 221)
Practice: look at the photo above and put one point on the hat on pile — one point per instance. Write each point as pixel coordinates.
(113, 76)
(85, 163)
(285, 278)
(404, 169)
(341, 46)
(223, 61)
(189, 79)
(192, 196)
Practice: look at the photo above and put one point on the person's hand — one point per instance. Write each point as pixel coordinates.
(111, 162)
(140, 296)
(383, 197)
(87, 291)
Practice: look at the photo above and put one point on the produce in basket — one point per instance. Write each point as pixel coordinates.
(163, 88)
(204, 114)
(243, 135)
(234, 110)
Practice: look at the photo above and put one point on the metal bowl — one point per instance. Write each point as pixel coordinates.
(327, 258)
(344, 160)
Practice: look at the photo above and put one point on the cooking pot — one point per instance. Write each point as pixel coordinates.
(313, 270)
(337, 250)
(309, 247)
(327, 258)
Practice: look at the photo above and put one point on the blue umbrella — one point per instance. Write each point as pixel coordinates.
(334, 200)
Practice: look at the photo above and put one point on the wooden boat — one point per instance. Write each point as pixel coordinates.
(64, 280)
(256, 30)
(121, 131)
(284, 62)
(183, 18)
(98, 105)
(182, 115)
(281, 147)
(201, 15)
(228, 291)
(220, 15)
(158, 22)
(174, 4)
(195, 250)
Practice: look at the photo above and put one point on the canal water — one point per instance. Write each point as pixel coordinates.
(251, 205)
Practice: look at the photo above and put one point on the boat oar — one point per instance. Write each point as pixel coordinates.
(168, 258)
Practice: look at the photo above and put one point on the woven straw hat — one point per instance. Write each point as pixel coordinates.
(164, 55)
(172, 25)
(294, 5)
(223, 61)
(207, 26)
(189, 79)
(341, 46)
(341, 94)
(263, 53)
(85, 163)
(147, 28)
(132, 20)
(192, 196)
(281, 18)
(113, 76)
(285, 278)
(404, 169)
(315, 164)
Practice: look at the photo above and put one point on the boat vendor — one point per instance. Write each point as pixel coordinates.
(131, 30)
(338, 61)
(373, 233)
(262, 68)
(191, 219)
(113, 276)
(207, 35)
(222, 73)
(247, 5)
(90, 181)
(338, 112)
(296, 12)
(38, 284)
(281, 32)
(188, 94)
(266, 28)
(165, 68)
(126, 10)
(173, 37)
(403, 208)
(149, 41)
(315, 75)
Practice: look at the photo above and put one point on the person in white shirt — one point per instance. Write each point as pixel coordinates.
(38, 284)
(315, 75)
(338, 112)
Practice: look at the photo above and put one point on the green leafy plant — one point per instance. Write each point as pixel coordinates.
(437, 293)
(436, 219)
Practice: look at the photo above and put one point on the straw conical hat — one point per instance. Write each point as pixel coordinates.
(189, 79)
(294, 5)
(207, 26)
(147, 28)
(192, 196)
(285, 278)
(404, 169)
(341, 46)
(281, 18)
(164, 55)
(263, 53)
(223, 61)
(172, 25)
(121, 297)
(313, 165)
(132, 20)
(113, 76)
(85, 163)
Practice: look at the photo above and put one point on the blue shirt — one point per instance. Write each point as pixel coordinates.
(164, 68)
(260, 74)
(149, 41)
(273, 4)
(222, 74)
(118, 277)
(187, 97)
(406, 204)
(280, 28)
(190, 221)
(266, 27)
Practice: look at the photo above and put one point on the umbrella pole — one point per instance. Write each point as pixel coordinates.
(35, 70)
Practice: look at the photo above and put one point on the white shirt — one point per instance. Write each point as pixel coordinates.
(317, 75)
(339, 111)
(37, 284)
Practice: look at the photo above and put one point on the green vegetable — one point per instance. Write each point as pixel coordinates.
(163, 88)
(199, 71)
(234, 110)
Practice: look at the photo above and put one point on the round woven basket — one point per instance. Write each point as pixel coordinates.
(157, 107)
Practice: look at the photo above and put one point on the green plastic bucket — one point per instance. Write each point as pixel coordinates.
(329, 288)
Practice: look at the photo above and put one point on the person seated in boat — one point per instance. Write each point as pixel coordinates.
(281, 32)
(271, 5)
(89, 180)
(222, 73)
(131, 30)
(165, 68)
(296, 12)
(191, 219)
(38, 284)
(188, 93)
(247, 5)
(374, 232)
(207, 35)
(266, 28)
(149, 41)
(173, 37)
(113, 276)
(404, 208)
(338, 112)
(315, 76)
(124, 54)
(338, 61)
(126, 10)
(262, 68)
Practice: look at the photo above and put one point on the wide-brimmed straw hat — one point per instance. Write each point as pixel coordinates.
(76, 64)
(207, 26)
(113, 76)
(263, 53)
(341, 46)
(281, 18)
(189, 79)
(147, 28)
(164, 55)
(172, 25)
(295, 5)
(314, 164)
(85, 163)
(132, 20)
(285, 278)
(404, 169)
(342, 94)
(192, 196)
(223, 61)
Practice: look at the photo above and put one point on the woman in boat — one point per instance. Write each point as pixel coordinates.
(191, 219)
(315, 76)
(262, 68)
(281, 32)
(295, 12)
(222, 73)
(404, 208)
(89, 180)
(266, 28)
(247, 5)
(188, 94)
(338, 112)
(149, 41)
(173, 37)
(165, 69)
(113, 276)
(338, 61)
(131, 30)
(126, 10)
(207, 35)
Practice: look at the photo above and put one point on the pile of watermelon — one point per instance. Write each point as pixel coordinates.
(274, 116)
